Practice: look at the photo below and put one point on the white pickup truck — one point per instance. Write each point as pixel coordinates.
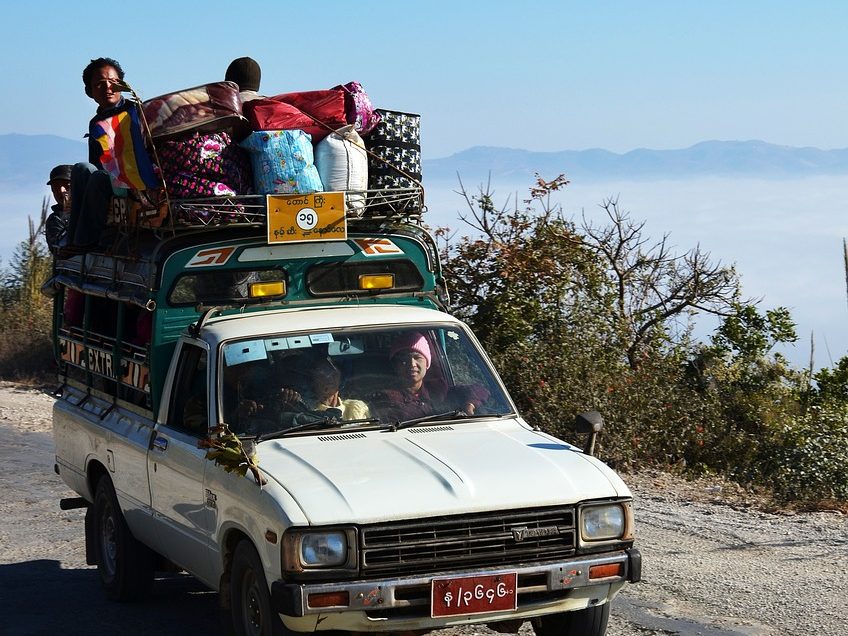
(392, 484)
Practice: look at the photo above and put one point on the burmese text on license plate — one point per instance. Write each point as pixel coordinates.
(473, 594)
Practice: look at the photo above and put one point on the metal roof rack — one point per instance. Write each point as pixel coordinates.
(397, 205)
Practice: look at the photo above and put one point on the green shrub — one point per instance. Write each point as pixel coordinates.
(808, 460)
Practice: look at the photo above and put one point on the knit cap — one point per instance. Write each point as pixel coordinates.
(245, 72)
(412, 341)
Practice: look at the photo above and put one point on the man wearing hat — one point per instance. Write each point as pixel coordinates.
(56, 226)
(245, 72)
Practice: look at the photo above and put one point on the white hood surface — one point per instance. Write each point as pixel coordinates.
(432, 470)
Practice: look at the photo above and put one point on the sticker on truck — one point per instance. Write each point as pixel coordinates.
(378, 246)
(211, 257)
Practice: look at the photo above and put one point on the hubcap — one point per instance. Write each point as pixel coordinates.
(108, 541)
(251, 604)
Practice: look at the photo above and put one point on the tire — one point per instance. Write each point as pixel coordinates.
(250, 601)
(591, 621)
(124, 564)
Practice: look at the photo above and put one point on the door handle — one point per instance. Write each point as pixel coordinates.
(160, 443)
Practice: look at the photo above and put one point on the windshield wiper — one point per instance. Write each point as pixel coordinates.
(434, 417)
(486, 416)
(316, 423)
(364, 420)
(457, 413)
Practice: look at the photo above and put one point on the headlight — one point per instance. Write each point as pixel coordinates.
(325, 549)
(603, 522)
(306, 550)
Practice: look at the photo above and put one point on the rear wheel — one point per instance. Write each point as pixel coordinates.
(250, 601)
(591, 621)
(125, 565)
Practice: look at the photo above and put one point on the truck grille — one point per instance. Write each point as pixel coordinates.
(491, 540)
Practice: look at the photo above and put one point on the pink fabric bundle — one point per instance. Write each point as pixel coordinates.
(317, 113)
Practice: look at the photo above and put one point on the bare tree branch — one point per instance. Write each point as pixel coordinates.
(652, 284)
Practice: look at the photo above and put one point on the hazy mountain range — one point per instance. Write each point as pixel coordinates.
(25, 161)
(708, 158)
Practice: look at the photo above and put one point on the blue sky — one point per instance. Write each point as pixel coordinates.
(536, 75)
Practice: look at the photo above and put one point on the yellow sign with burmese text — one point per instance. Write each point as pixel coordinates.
(296, 218)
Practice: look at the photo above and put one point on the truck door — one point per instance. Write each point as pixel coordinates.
(176, 466)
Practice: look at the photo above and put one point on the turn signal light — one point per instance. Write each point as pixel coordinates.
(329, 599)
(605, 571)
(376, 281)
(265, 290)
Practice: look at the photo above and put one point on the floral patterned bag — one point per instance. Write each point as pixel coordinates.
(204, 165)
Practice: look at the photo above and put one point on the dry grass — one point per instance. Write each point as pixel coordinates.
(26, 357)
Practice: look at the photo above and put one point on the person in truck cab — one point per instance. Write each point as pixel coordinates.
(326, 384)
(417, 395)
(302, 384)
(240, 395)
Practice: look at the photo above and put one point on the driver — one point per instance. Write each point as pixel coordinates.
(326, 380)
(320, 392)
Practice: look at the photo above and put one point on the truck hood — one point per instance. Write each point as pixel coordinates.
(373, 476)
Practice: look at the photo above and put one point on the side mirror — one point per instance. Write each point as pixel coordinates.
(592, 423)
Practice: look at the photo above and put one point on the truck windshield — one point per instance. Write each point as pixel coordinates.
(355, 378)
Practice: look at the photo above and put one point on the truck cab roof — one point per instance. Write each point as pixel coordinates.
(233, 326)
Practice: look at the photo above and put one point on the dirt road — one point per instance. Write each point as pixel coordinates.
(713, 564)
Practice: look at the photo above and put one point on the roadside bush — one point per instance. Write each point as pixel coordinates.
(584, 317)
(578, 317)
(808, 460)
(652, 418)
(657, 419)
(26, 350)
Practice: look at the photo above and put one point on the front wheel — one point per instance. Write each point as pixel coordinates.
(250, 601)
(591, 621)
(125, 565)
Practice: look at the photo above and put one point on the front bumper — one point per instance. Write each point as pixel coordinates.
(404, 603)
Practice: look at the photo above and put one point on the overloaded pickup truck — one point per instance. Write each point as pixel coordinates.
(296, 419)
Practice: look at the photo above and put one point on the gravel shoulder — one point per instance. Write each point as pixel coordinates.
(716, 560)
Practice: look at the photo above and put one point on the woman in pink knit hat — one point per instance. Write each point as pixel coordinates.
(415, 394)
(410, 357)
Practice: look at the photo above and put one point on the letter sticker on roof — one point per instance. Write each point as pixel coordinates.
(378, 246)
(211, 257)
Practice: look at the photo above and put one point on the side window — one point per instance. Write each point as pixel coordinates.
(188, 410)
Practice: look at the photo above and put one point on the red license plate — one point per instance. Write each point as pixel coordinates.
(473, 594)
